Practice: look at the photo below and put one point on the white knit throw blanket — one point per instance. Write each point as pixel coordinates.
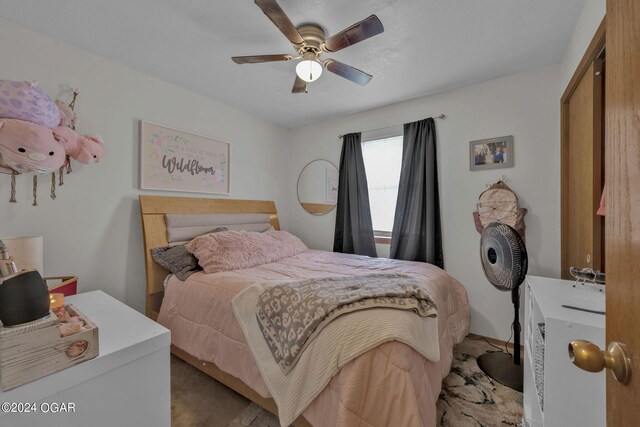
(341, 341)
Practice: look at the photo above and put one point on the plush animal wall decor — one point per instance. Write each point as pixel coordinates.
(37, 135)
(27, 147)
(68, 117)
(83, 148)
(26, 101)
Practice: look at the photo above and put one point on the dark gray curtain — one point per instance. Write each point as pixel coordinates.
(416, 232)
(354, 232)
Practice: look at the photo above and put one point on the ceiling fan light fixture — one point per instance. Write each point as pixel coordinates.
(308, 69)
(309, 41)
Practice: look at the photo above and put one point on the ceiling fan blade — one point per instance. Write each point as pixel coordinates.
(275, 13)
(348, 72)
(256, 59)
(356, 33)
(299, 86)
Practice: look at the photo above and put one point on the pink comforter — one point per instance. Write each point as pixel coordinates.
(391, 385)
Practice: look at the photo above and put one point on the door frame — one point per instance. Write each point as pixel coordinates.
(596, 46)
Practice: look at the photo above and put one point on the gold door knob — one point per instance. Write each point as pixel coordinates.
(588, 356)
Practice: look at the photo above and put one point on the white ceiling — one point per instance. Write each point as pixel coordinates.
(427, 46)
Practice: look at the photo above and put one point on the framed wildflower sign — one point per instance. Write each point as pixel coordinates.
(175, 160)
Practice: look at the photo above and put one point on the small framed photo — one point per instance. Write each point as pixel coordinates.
(492, 153)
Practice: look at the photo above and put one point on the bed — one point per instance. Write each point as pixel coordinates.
(206, 334)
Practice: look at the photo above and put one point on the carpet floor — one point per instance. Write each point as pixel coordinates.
(468, 398)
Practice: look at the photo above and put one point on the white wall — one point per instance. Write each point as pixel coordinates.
(590, 18)
(524, 105)
(93, 229)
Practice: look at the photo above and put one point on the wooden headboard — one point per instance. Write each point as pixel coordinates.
(154, 230)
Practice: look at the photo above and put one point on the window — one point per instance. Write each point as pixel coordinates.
(382, 163)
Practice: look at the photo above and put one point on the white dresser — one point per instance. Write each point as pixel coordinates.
(127, 384)
(557, 393)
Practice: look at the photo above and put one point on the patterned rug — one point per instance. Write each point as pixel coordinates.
(468, 398)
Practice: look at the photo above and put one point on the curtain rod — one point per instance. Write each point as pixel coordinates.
(441, 116)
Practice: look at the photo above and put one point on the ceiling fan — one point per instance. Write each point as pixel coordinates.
(309, 41)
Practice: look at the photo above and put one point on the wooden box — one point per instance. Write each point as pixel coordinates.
(36, 349)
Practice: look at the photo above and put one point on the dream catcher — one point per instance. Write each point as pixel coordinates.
(499, 203)
(37, 136)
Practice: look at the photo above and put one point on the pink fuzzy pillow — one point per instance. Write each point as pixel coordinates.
(234, 250)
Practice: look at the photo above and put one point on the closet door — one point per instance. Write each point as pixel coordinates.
(581, 165)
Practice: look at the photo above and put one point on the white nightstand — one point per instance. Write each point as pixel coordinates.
(571, 397)
(127, 384)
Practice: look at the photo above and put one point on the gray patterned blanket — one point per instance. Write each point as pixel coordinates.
(291, 314)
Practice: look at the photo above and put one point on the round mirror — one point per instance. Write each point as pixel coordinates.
(318, 187)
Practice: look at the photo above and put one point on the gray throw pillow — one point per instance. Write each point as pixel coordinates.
(178, 260)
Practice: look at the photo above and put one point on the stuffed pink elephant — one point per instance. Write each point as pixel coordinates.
(29, 148)
(83, 148)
